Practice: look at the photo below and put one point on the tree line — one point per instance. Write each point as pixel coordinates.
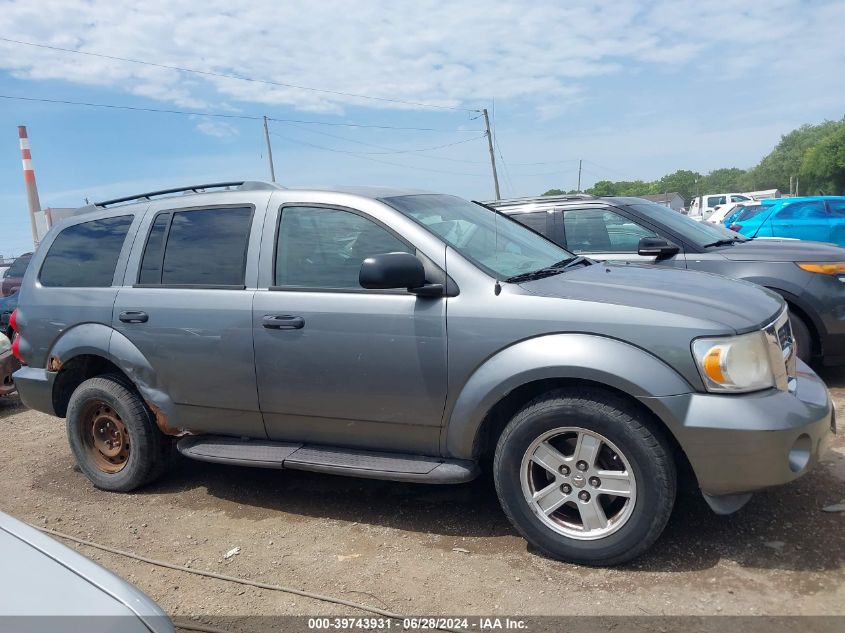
(810, 160)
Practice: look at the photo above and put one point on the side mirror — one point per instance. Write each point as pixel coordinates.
(656, 247)
(396, 270)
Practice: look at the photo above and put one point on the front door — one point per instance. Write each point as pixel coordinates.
(606, 235)
(804, 220)
(337, 364)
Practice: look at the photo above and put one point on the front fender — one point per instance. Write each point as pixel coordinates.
(584, 356)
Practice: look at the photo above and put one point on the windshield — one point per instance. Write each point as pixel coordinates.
(501, 246)
(748, 212)
(18, 267)
(699, 233)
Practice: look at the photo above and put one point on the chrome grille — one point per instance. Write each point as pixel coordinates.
(782, 351)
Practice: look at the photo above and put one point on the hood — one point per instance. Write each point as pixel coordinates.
(766, 250)
(738, 305)
(43, 577)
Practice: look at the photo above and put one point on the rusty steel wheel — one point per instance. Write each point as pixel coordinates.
(105, 436)
(114, 436)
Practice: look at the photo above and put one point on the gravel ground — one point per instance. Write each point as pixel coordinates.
(417, 549)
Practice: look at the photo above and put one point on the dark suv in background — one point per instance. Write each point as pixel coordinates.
(810, 276)
(13, 276)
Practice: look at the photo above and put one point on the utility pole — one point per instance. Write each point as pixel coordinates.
(269, 151)
(579, 175)
(492, 154)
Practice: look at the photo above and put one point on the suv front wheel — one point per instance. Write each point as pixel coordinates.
(583, 478)
(113, 436)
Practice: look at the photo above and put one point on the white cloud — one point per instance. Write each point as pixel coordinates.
(447, 53)
(219, 129)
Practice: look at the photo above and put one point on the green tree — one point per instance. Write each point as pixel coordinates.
(823, 168)
(603, 188)
(683, 181)
(785, 160)
(725, 179)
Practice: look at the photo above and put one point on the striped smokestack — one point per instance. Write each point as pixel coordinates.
(29, 180)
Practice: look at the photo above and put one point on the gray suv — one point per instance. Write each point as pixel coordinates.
(411, 336)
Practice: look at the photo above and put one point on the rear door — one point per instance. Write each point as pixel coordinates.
(837, 221)
(186, 304)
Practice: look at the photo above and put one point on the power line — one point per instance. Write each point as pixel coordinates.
(223, 115)
(234, 76)
(375, 160)
(387, 150)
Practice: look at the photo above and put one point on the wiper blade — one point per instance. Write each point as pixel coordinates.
(554, 269)
(578, 261)
(725, 242)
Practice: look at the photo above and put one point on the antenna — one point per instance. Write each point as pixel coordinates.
(497, 289)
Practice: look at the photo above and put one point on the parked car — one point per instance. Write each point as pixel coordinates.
(808, 275)
(702, 206)
(14, 274)
(819, 218)
(7, 306)
(400, 335)
(721, 212)
(8, 365)
(47, 587)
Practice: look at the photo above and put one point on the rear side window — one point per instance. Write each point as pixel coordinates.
(537, 220)
(198, 247)
(85, 255)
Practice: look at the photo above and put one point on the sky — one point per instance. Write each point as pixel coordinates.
(634, 89)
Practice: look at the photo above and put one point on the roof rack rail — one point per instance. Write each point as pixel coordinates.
(241, 185)
(558, 198)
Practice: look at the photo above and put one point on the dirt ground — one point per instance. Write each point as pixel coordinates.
(393, 545)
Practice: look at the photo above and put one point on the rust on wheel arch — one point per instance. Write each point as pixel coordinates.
(161, 422)
(54, 364)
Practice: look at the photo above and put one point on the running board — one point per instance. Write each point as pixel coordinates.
(327, 459)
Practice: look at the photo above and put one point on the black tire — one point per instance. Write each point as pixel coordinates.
(803, 338)
(647, 452)
(147, 449)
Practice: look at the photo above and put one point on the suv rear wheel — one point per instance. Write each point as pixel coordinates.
(583, 478)
(113, 436)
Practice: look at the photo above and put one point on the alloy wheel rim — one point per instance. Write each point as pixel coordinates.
(106, 437)
(578, 483)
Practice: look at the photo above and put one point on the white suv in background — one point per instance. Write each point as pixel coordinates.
(703, 206)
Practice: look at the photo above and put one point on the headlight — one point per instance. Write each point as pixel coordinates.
(5, 344)
(824, 268)
(734, 363)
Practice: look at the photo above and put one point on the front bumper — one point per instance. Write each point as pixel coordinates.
(741, 443)
(8, 364)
